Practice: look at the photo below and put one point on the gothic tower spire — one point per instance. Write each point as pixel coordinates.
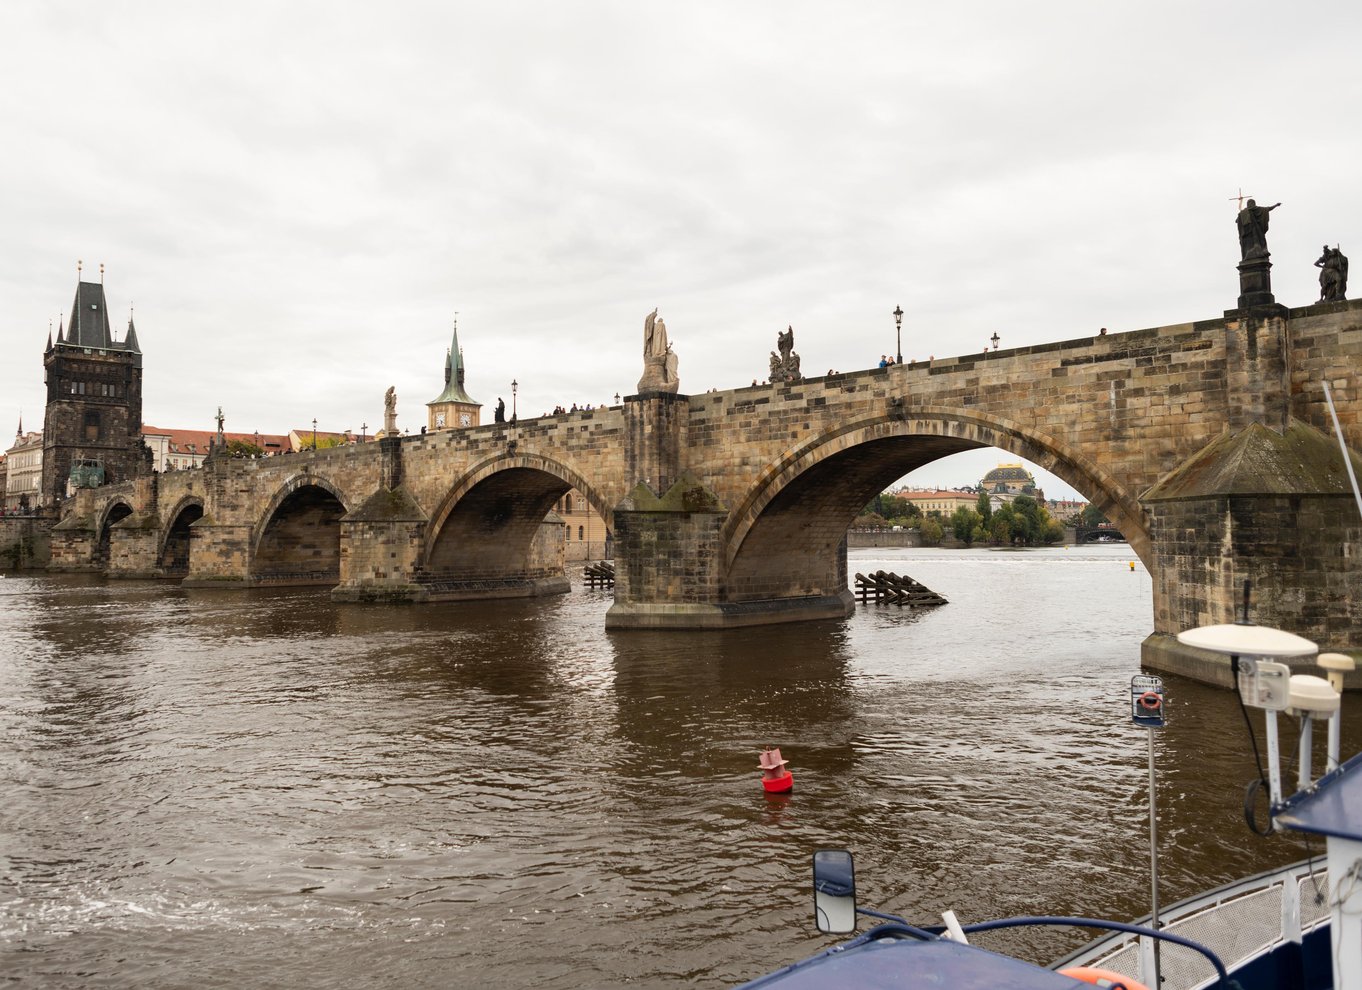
(453, 406)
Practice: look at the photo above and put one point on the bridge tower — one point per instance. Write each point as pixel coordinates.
(94, 397)
(453, 408)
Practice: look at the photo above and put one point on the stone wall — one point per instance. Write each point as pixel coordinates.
(25, 543)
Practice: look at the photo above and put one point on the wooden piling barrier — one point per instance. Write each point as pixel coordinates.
(886, 588)
(599, 575)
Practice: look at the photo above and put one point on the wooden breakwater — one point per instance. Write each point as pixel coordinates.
(885, 588)
(599, 575)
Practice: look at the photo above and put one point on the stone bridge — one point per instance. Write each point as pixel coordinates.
(1208, 445)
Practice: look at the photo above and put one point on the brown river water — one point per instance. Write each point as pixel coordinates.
(264, 789)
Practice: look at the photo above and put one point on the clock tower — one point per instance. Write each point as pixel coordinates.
(452, 408)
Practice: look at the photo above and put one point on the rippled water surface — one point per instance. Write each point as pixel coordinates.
(262, 788)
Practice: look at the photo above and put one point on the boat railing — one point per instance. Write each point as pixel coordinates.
(1238, 922)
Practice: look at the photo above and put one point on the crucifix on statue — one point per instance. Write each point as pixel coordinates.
(1241, 197)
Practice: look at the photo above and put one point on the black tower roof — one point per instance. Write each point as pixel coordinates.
(88, 326)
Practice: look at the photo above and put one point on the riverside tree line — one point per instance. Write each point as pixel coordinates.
(1023, 522)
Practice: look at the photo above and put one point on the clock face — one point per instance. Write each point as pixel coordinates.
(465, 419)
(439, 420)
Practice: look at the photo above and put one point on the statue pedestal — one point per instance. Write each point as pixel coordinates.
(1255, 283)
(659, 374)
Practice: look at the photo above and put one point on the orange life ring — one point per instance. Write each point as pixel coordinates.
(1102, 978)
(1150, 702)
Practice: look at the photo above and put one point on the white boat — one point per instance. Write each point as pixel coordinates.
(1299, 927)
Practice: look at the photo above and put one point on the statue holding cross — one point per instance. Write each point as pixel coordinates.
(1252, 222)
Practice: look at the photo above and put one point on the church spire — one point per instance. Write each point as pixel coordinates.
(456, 353)
(454, 372)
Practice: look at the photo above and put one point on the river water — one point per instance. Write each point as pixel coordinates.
(264, 789)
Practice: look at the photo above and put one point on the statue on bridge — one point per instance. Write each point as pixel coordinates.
(785, 365)
(659, 361)
(1333, 275)
(390, 411)
(500, 415)
(1252, 221)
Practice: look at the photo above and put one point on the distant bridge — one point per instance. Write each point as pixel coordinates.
(1094, 534)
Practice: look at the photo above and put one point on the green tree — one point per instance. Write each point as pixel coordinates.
(984, 507)
(963, 524)
(1092, 516)
(931, 532)
(242, 448)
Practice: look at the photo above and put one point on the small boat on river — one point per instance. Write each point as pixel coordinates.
(1299, 927)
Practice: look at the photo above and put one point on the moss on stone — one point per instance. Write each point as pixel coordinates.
(388, 505)
(1300, 460)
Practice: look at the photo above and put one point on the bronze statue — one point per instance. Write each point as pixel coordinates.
(1333, 275)
(1252, 221)
(500, 415)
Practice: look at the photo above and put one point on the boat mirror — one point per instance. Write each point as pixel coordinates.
(834, 891)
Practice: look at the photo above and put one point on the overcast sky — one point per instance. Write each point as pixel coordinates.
(298, 197)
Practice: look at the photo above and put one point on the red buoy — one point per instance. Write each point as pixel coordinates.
(774, 777)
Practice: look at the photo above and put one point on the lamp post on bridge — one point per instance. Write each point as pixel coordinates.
(363, 432)
(898, 334)
(314, 434)
(994, 338)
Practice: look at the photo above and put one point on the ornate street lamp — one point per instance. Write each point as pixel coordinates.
(363, 432)
(898, 334)
(994, 338)
(314, 433)
(617, 398)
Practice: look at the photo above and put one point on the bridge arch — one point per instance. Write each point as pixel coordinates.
(172, 543)
(485, 526)
(114, 511)
(782, 539)
(297, 538)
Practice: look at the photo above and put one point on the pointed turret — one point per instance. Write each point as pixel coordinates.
(453, 408)
(453, 375)
(60, 338)
(130, 341)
